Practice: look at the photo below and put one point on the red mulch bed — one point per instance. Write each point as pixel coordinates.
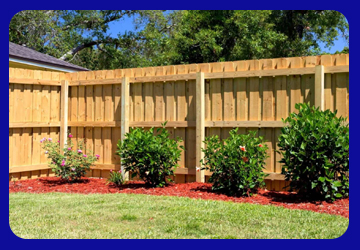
(192, 190)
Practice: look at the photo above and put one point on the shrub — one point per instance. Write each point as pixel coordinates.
(116, 177)
(71, 164)
(315, 153)
(236, 163)
(152, 157)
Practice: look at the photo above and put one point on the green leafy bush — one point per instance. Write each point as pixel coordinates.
(236, 163)
(315, 152)
(71, 164)
(116, 177)
(152, 157)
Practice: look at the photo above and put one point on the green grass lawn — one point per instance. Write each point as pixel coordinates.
(60, 215)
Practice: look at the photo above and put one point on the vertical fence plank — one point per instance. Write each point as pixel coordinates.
(191, 116)
(216, 99)
(200, 124)
(341, 86)
(254, 94)
(181, 112)
(319, 86)
(125, 92)
(242, 98)
(116, 132)
(327, 60)
(64, 113)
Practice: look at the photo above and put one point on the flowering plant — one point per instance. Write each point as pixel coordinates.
(236, 163)
(116, 177)
(70, 164)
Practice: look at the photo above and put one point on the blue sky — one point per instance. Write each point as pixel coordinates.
(127, 25)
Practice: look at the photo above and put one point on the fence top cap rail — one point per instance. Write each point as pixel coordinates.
(34, 81)
(214, 75)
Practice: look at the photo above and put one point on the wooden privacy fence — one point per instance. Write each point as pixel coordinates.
(197, 100)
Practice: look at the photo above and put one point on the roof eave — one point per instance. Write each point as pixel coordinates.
(44, 65)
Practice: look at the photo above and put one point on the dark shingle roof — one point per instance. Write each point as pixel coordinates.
(30, 54)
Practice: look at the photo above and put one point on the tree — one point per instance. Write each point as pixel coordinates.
(304, 30)
(226, 35)
(65, 34)
(171, 37)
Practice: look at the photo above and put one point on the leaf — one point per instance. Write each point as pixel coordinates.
(337, 183)
(338, 195)
(321, 179)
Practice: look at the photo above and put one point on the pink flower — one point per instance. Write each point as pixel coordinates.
(50, 139)
(97, 156)
(119, 171)
(46, 152)
(85, 155)
(63, 163)
(58, 141)
(73, 169)
(69, 149)
(111, 170)
(41, 141)
(79, 151)
(70, 135)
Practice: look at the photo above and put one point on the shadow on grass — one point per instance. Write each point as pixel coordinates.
(272, 196)
(207, 189)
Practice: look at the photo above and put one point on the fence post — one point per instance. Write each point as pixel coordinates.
(125, 96)
(64, 113)
(200, 123)
(319, 86)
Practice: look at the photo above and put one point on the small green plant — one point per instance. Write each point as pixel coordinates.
(236, 163)
(70, 164)
(152, 157)
(116, 177)
(315, 153)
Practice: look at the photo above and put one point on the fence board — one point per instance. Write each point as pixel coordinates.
(251, 95)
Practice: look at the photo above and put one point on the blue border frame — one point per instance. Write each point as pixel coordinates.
(350, 12)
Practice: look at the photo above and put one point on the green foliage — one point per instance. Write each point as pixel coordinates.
(230, 35)
(153, 157)
(70, 165)
(164, 37)
(116, 177)
(315, 153)
(225, 35)
(236, 163)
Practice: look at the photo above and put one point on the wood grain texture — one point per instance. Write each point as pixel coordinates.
(251, 95)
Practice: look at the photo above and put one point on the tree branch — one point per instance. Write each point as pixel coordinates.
(75, 50)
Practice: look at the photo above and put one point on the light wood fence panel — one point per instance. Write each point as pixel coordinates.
(32, 104)
(248, 99)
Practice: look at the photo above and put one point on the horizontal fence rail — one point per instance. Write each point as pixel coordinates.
(215, 75)
(196, 101)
